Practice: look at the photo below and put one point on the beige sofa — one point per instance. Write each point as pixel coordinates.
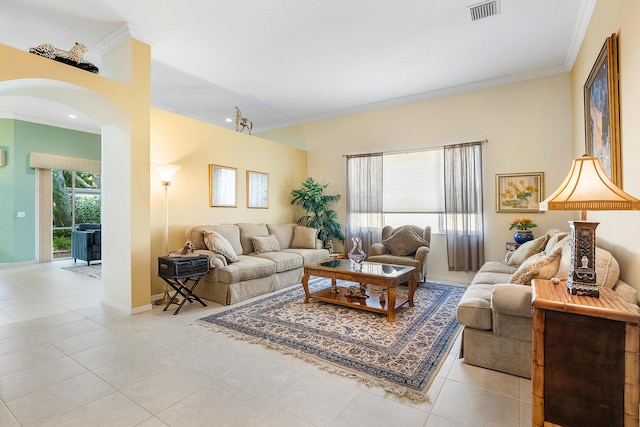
(496, 309)
(247, 260)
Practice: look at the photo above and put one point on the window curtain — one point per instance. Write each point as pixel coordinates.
(364, 200)
(463, 206)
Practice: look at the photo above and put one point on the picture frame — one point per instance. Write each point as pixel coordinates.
(519, 192)
(602, 111)
(257, 190)
(223, 183)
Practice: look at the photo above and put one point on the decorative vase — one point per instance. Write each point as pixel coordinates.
(356, 254)
(523, 236)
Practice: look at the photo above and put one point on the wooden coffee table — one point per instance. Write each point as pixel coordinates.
(372, 273)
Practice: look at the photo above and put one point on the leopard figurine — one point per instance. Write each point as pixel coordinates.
(48, 51)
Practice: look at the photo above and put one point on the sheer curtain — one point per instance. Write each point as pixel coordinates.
(463, 206)
(364, 200)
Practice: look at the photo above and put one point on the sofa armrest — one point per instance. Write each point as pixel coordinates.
(514, 300)
(422, 253)
(378, 249)
(215, 259)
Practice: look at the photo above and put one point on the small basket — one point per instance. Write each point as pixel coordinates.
(183, 266)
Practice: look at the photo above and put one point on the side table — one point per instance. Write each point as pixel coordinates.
(586, 358)
(177, 272)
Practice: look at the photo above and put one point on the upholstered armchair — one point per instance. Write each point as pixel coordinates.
(86, 243)
(406, 245)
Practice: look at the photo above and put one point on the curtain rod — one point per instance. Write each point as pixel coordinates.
(412, 150)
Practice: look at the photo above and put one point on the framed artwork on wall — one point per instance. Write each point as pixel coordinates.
(257, 190)
(519, 192)
(222, 186)
(602, 111)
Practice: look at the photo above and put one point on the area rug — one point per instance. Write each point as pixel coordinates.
(402, 357)
(93, 270)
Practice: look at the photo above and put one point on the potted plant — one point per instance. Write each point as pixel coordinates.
(316, 204)
(523, 228)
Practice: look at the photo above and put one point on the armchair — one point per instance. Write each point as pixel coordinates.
(86, 243)
(407, 245)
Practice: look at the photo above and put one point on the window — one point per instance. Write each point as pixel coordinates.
(413, 188)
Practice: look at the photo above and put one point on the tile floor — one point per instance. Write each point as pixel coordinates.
(67, 360)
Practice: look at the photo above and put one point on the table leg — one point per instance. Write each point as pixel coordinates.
(391, 310)
(305, 285)
(413, 285)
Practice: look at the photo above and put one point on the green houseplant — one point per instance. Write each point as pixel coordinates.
(316, 204)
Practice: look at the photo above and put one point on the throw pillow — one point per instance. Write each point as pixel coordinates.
(525, 250)
(265, 244)
(304, 237)
(218, 244)
(404, 242)
(537, 266)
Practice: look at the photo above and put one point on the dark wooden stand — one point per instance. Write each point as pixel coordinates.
(586, 358)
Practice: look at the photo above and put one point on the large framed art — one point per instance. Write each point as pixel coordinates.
(223, 182)
(602, 111)
(519, 192)
(257, 190)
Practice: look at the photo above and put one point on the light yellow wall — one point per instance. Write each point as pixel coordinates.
(194, 145)
(528, 126)
(616, 231)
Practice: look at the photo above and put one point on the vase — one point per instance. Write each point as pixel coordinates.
(356, 255)
(523, 236)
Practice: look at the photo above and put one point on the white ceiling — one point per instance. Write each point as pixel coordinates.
(290, 61)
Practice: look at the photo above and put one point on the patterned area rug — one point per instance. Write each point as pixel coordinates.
(401, 357)
(93, 270)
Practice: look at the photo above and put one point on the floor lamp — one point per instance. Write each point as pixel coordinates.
(586, 188)
(166, 172)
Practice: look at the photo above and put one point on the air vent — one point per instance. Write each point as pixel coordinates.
(484, 9)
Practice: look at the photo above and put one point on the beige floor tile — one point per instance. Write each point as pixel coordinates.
(111, 410)
(435, 421)
(525, 414)
(106, 354)
(267, 416)
(166, 388)
(68, 330)
(486, 379)
(28, 358)
(86, 341)
(26, 381)
(526, 393)
(51, 402)
(472, 406)
(20, 343)
(132, 369)
(370, 410)
(6, 418)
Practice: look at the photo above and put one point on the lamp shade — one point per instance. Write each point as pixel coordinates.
(166, 171)
(587, 188)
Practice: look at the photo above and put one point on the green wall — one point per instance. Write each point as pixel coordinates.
(18, 180)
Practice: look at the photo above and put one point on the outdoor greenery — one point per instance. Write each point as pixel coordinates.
(316, 204)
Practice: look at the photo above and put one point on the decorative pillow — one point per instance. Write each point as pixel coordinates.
(304, 237)
(265, 244)
(537, 266)
(526, 250)
(218, 244)
(404, 242)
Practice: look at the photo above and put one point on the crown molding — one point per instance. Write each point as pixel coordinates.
(124, 32)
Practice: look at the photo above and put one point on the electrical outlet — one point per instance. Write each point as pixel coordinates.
(22, 214)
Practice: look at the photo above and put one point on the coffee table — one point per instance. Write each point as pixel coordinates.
(372, 273)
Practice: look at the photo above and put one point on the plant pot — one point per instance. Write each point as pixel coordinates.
(523, 236)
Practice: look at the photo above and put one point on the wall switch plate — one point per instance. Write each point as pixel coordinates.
(22, 214)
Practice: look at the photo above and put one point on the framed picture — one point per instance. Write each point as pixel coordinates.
(602, 111)
(257, 190)
(519, 192)
(222, 186)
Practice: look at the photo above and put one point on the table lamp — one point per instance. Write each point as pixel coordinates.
(586, 188)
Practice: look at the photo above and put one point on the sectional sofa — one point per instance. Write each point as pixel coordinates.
(496, 309)
(247, 260)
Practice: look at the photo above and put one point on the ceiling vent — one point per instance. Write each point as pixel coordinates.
(484, 9)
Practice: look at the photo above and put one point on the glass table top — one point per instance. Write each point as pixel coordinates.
(373, 268)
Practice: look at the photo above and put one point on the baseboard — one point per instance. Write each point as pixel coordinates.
(125, 309)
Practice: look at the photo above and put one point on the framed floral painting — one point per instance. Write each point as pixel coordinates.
(519, 192)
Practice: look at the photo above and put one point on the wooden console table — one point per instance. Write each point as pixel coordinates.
(586, 358)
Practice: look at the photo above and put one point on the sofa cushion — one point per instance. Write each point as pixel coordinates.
(309, 255)
(265, 244)
(474, 308)
(247, 231)
(284, 261)
(404, 241)
(491, 278)
(555, 239)
(540, 265)
(304, 237)
(607, 268)
(527, 249)
(247, 268)
(497, 267)
(217, 243)
(283, 232)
